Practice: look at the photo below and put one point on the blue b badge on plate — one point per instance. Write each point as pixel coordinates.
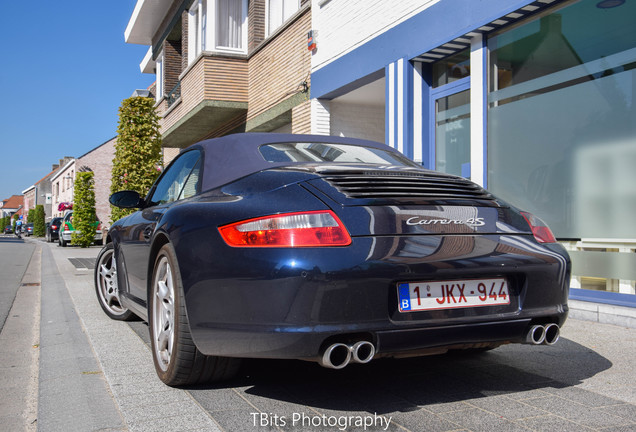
(405, 297)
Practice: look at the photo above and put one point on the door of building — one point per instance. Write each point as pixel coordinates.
(450, 109)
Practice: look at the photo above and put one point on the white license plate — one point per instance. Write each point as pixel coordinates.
(420, 296)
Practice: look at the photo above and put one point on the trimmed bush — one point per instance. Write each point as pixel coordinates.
(38, 221)
(84, 210)
(137, 159)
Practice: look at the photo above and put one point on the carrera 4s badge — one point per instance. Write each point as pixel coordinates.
(471, 222)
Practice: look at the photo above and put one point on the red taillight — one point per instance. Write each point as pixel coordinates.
(66, 227)
(540, 230)
(99, 225)
(309, 229)
(53, 226)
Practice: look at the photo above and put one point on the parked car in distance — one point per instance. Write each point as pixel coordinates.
(321, 248)
(52, 229)
(8, 229)
(66, 230)
(28, 229)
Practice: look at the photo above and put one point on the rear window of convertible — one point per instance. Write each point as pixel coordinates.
(303, 152)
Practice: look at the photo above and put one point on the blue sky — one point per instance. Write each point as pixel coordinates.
(64, 71)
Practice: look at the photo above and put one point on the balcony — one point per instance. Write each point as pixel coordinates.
(211, 93)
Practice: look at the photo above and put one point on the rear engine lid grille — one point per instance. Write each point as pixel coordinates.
(382, 184)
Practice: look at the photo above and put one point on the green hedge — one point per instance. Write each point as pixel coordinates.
(84, 210)
(137, 151)
(38, 221)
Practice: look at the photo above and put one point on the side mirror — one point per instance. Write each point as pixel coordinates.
(127, 199)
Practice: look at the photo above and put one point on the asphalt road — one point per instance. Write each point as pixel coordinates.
(97, 374)
(14, 258)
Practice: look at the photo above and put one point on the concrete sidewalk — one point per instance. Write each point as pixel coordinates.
(142, 401)
(603, 313)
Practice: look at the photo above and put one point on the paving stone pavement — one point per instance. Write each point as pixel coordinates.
(586, 382)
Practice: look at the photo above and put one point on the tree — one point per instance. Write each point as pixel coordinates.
(31, 215)
(137, 150)
(38, 221)
(84, 219)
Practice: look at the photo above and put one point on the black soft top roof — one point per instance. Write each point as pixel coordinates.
(231, 157)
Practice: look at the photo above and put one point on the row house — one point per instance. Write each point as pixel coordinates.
(225, 66)
(41, 193)
(12, 205)
(63, 182)
(99, 160)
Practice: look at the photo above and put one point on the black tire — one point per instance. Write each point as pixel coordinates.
(177, 360)
(61, 241)
(106, 286)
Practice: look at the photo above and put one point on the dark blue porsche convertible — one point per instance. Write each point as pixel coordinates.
(328, 249)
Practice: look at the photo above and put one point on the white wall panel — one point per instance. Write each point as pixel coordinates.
(357, 121)
(343, 25)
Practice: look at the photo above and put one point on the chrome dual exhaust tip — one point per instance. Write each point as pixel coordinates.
(543, 334)
(552, 334)
(339, 355)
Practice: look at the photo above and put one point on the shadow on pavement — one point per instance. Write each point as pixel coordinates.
(390, 385)
(402, 385)
(10, 239)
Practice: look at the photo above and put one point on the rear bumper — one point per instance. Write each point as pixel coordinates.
(309, 343)
(291, 303)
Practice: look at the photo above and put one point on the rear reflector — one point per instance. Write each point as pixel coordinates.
(309, 229)
(540, 230)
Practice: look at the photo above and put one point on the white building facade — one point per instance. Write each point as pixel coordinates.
(63, 186)
(534, 100)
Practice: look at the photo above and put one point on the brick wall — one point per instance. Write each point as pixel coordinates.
(210, 78)
(169, 153)
(301, 118)
(29, 202)
(172, 64)
(256, 24)
(100, 161)
(278, 68)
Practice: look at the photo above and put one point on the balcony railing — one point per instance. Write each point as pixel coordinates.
(174, 94)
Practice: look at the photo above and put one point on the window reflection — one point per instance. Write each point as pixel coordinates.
(561, 129)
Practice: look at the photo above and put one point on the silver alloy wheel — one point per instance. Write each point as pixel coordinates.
(107, 283)
(163, 313)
